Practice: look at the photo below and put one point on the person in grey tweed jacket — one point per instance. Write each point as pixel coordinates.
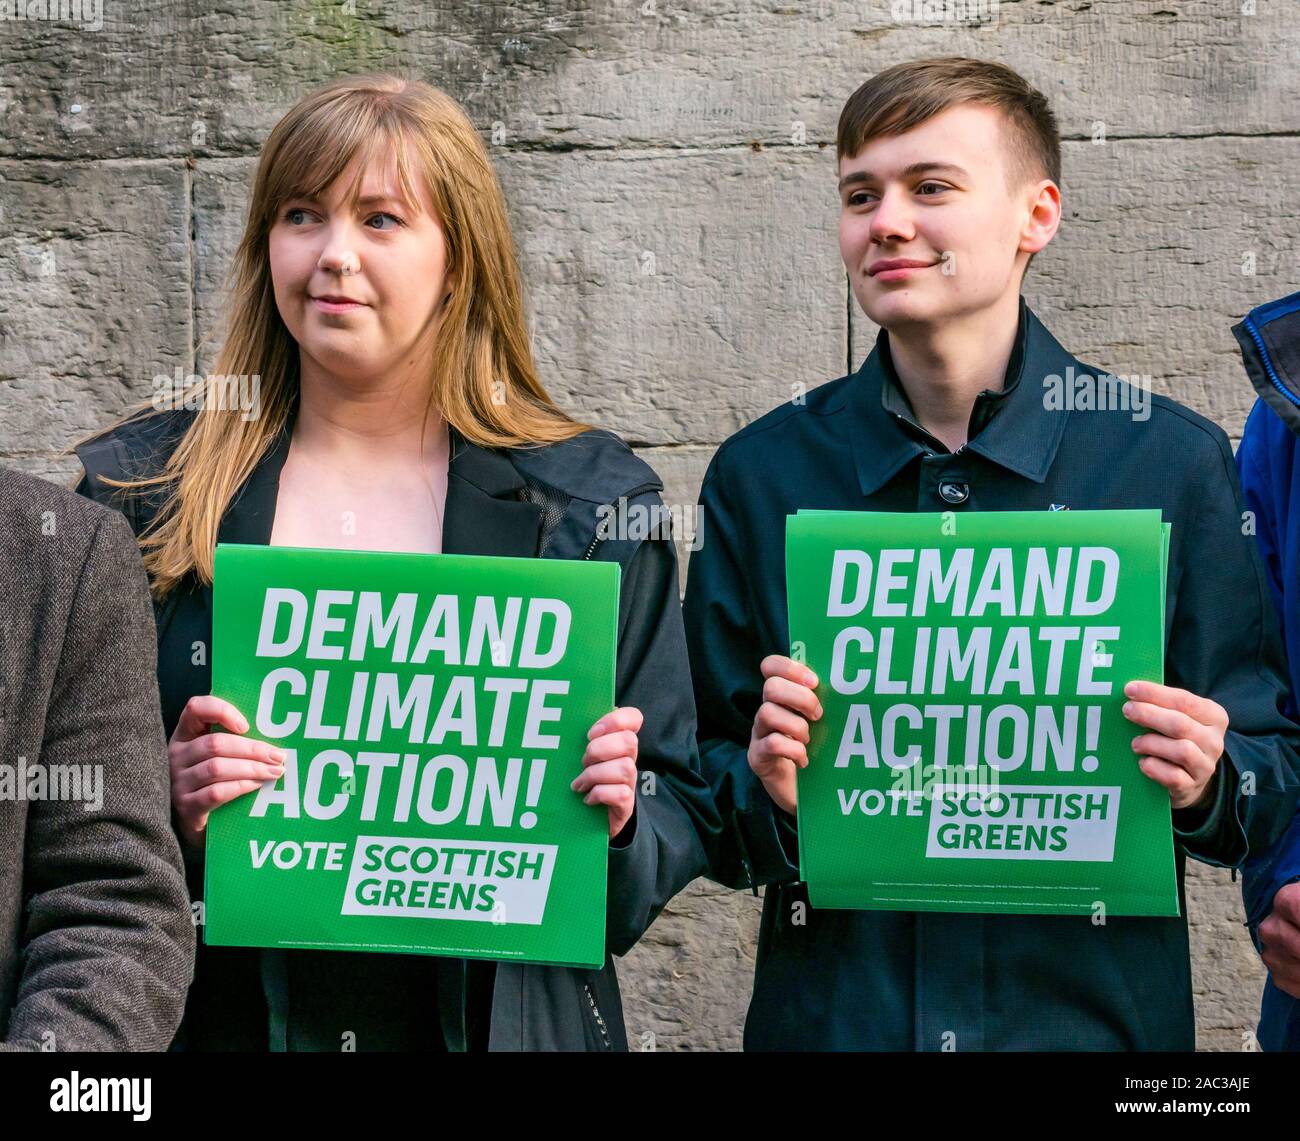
(96, 938)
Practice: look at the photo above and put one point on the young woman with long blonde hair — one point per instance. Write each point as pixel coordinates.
(376, 295)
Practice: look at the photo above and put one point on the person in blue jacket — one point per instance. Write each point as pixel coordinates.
(1270, 479)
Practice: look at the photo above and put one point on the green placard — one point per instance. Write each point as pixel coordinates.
(972, 754)
(435, 709)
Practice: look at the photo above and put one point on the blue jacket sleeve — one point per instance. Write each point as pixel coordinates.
(1265, 875)
(1260, 497)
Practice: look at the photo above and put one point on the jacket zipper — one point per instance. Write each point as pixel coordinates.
(1268, 364)
(600, 1022)
(625, 495)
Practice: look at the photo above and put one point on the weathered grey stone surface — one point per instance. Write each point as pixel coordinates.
(670, 172)
(188, 77)
(94, 294)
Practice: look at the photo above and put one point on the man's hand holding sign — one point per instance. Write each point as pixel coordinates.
(1184, 749)
(779, 743)
(1181, 753)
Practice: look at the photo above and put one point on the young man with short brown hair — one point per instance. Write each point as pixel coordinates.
(949, 173)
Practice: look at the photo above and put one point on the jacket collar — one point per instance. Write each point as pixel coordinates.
(484, 514)
(1269, 336)
(1014, 427)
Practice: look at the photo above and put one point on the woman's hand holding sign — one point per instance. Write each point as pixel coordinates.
(209, 769)
(1187, 743)
(608, 774)
(778, 743)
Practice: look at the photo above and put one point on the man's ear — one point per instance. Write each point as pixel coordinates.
(1044, 217)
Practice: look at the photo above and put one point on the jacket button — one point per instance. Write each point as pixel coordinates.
(951, 492)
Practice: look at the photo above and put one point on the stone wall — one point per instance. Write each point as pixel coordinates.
(670, 172)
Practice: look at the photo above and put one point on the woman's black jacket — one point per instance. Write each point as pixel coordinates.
(544, 502)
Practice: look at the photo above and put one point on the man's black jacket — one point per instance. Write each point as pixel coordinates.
(929, 981)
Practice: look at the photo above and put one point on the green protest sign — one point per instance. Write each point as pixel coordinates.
(972, 754)
(434, 710)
